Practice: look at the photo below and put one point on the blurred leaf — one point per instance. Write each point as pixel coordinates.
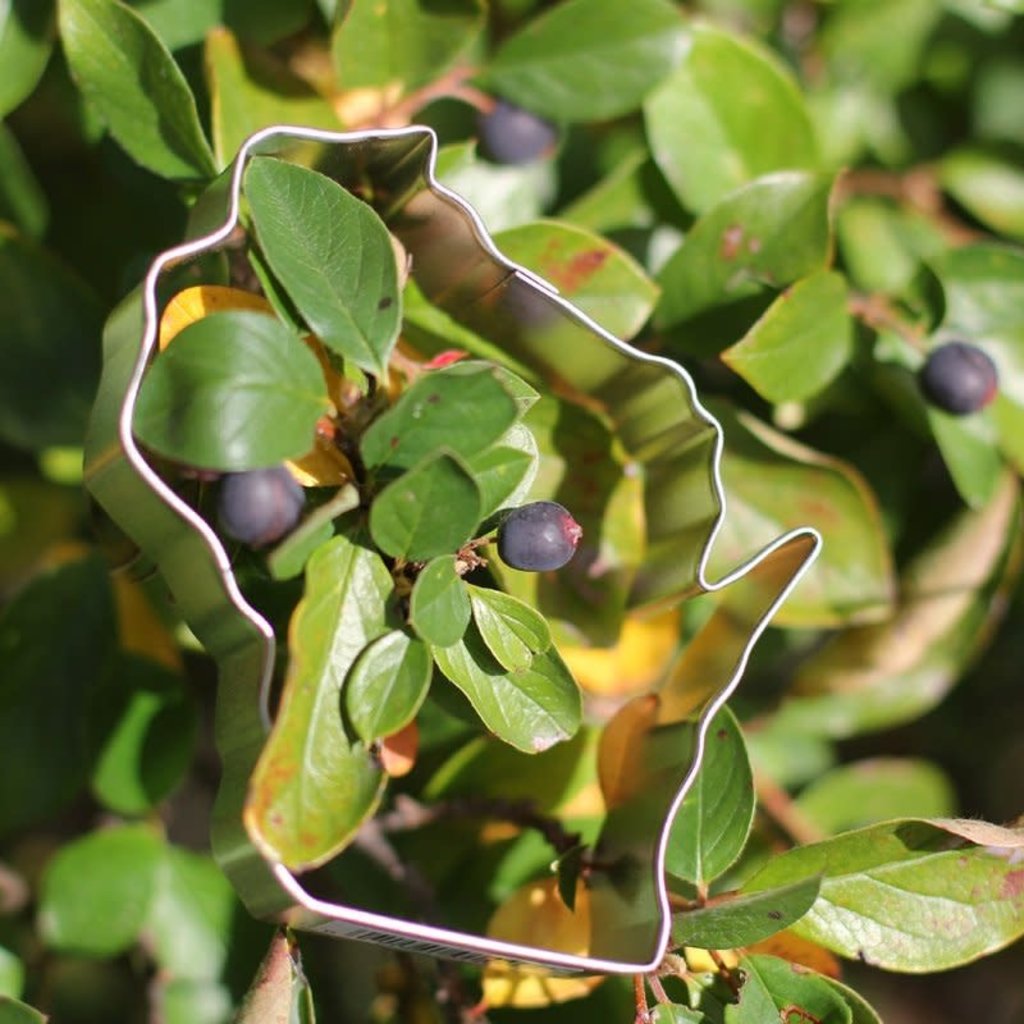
(789, 759)
(711, 826)
(26, 39)
(49, 347)
(13, 1011)
(280, 991)
(124, 69)
(620, 768)
(463, 408)
(187, 1001)
(800, 344)
(729, 113)
(531, 709)
(22, 199)
(875, 676)
(12, 974)
(909, 895)
(387, 684)
(439, 607)
(183, 23)
(596, 276)
(760, 238)
(250, 89)
(988, 185)
(333, 256)
(876, 789)
(774, 989)
(774, 484)
(97, 890)
(57, 635)
(511, 629)
(671, 1013)
(143, 727)
(313, 786)
(403, 42)
(237, 390)
(745, 919)
(586, 60)
(430, 510)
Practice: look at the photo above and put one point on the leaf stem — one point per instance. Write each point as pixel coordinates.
(779, 806)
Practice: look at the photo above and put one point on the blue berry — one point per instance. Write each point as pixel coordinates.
(958, 378)
(539, 536)
(259, 506)
(511, 135)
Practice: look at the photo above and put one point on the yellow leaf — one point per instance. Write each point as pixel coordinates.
(620, 768)
(797, 950)
(139, 626)
(194, 303)
(398, 751)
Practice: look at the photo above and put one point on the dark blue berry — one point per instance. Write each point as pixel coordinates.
(539, 536)
(958, 378)
(259, 506)
(511, 135)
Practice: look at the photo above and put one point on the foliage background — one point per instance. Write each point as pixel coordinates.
(106, 713)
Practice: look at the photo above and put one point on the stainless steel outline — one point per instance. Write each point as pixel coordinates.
(630, 912)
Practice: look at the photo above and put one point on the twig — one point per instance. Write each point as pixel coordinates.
(779, 806)
(452, 84)
(877, 312)
(643, 1014)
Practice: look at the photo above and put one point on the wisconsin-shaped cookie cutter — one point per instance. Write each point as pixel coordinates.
(653, 406)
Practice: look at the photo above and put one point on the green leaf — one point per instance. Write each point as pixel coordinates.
(183, 23)
(909, 895)
(280, 991)
(402, 43)
(774, 484)
(775, 989)
(97, 890)
(12, 974)
(124, 69)
(439, 607)
(531, 709)
(711, 826)
(671, 1013)
(746, 919)
(800, 344)
(49, 347)
(235, 390)
(22, 199)
(760, 238)
(332, 254)
(989, 184)
(595, 275)
(13, 1011)
(876, 789)
(463, 408)
(430, 510)
(505, 472)
(313, 785)
(144, 726)
(729, 113)
(862, 1012)
(289, 558)
(387, 684)
(26, 39)
(187, 1001)
(587, 60)
(250, 89)
(57, 635)
(511, 629)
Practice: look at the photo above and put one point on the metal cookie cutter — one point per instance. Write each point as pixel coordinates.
(653, 408)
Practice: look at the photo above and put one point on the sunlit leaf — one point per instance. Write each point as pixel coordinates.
(775, 989)
(511, 629)
(439, 607)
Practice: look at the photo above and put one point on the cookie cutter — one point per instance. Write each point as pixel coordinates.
(657, 416)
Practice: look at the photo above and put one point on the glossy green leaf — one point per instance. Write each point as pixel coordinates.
(124, 69)
(909, 895)
(587, 60)
(97, 891)
(800, 344)
(22, 199)
(13, 1011)
(774, 484)
(280, 990)
(401, 43)
(250, 89)
(314, 785)
(236, 390)
(183, 23)
(860, 1009)
(876, 789)
(592, 273)
(988, 184)
(289, 558)
(387, 684)
(875, 676)
(439, 607)
(430, 510)
(333, 256)
(775, 989)
(760, 238)
(531, 709)
(189, 921)
(711, 826)
(26, 39)
(143, 727)
(505, 472)
(463, 408)
(511, 629)
(746, 919)
(729, 113)
(45, 685)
